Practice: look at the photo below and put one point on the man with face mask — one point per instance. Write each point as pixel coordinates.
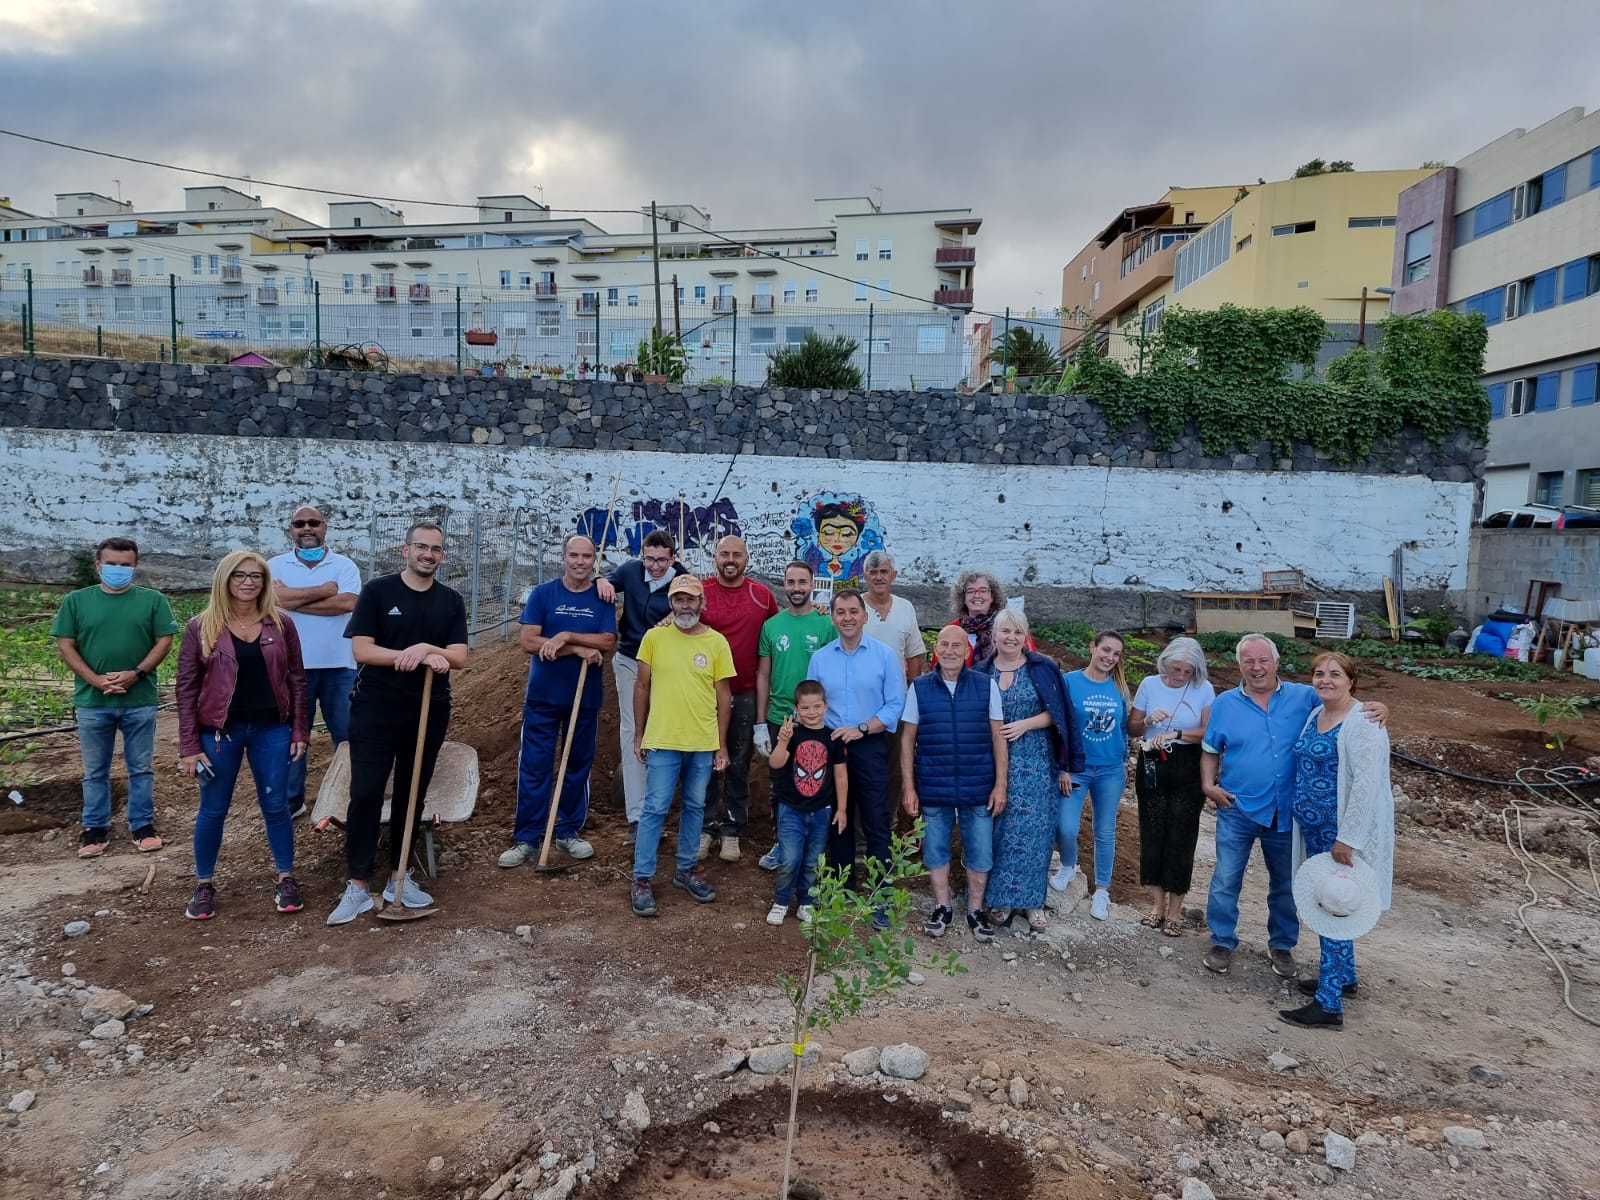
(114, 635)
(320, 588)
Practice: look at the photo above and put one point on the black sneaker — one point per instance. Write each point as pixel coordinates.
(287, 896)
(1308, 987)
(203, 903)
(694, 882)
(297, 807)
(938, 921)
(978, 925)
(633, 833)
(880, 919)
(644, 899)
(1312, 1016)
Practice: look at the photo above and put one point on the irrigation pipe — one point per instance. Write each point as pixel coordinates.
(1428, 766)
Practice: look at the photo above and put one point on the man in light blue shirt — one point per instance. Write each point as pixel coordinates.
(866, 685)
(1247, 772)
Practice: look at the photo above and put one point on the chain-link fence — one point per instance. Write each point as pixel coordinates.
(445, 327)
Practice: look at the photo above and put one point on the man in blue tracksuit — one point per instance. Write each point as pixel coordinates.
(953, 761)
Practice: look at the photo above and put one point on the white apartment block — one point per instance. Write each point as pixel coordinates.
(550, 288)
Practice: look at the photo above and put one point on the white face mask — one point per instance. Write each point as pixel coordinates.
(685, 621)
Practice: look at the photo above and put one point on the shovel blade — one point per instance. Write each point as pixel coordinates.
(398, 912)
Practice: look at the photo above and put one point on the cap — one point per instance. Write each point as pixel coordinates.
(686, 585)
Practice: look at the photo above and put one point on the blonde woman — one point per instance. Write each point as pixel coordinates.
(241, 692)
(1099, 698)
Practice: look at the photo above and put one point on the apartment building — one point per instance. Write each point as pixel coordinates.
(1316, 242)
(1513, 231)
(550, 287)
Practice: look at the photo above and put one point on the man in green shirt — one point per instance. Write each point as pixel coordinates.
(114, 635)
(788, 641)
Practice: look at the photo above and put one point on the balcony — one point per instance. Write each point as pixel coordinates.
(761, 304)
(266, 295)
(93, 277)
(956, 256)
(419, 293)
(723, 304)
(122, 276)
(544, 290)
(384, 293)
(586, 305)
(232, 274)
(954, 297)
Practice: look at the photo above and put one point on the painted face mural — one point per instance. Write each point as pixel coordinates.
(833, 533)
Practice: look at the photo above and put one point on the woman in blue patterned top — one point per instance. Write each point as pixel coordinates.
(1343, 805)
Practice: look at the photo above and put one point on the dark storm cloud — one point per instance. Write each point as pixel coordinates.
(1044, 118)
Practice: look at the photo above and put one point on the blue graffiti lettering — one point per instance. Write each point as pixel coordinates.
(689, 525)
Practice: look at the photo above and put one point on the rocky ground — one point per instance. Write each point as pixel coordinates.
(534, 1039)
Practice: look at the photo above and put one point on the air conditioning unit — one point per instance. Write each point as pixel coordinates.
(1335, 620)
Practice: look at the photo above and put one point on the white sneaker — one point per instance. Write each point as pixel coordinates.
(1063, 878)
(777, 913)
(705, 848)
(806, 912)
(730, 849)
(519, 853)
(576, 847)
(1100, 908)
(411, 896)
(354, 901)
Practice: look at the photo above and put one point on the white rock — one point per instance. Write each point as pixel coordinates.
(726, 1061)
(863, 1061)
(915, 978)
(524, 931)
(561, 1188)
(107, 1005)
(1164, 951)
(76, 928)
(1339, 1151)
(1186, 1164)
(69, 969)
(773, 1060)
(108, 1031)
(1193, 1189)
(1270, 1141)
(903, 1061)
(1017, 1092)
(1279, 1061)
(635, 1112)
(1465, 1138)
(551, 1160)
(21, 1102)
(436, 1163)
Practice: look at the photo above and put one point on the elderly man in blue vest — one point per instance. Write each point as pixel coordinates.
(1247, 773)
(953, 764)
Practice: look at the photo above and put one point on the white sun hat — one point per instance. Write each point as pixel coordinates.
(1335, 901)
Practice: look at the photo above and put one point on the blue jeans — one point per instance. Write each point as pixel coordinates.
(1236, 835)
(977, 836)
(663, 769)
(97, 739)
(267, 747)
(802, 839)
(544, 728)
(1103, 788)
(329, 686)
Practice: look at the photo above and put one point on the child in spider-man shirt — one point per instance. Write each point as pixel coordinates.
(808, 795)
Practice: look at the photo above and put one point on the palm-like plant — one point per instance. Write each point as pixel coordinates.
(1030, 353)
(817, 362)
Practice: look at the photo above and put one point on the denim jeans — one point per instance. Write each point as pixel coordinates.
(1236, 835)
(267, 747)
(866, 763)
(97, 739)
(1103, 788)
(802, 839)
(329, 686)
(663, 769)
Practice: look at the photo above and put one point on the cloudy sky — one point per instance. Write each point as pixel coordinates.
(1045, 118)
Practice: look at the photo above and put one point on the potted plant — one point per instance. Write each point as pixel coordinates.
(661, 359)
(481, 337)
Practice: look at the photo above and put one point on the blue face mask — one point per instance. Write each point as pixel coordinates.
(310, 554)
(115, 575)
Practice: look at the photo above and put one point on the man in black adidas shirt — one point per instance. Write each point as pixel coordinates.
(402, 626)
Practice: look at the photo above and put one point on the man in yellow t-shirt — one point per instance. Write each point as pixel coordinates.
(680, 706)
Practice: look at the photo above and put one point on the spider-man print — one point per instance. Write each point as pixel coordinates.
(810, 767)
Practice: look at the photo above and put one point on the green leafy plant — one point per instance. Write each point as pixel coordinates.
(1439, 624)
(1028, 352)
(817, 362)
(1072, 636)
(1318, 166)
(1545, 709)
(662, 354)
(848, 961)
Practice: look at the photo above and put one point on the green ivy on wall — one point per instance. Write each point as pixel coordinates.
(1243, 375)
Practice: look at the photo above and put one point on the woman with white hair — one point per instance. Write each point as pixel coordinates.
(1169, 717)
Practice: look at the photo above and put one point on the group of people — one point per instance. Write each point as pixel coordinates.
(995, 740)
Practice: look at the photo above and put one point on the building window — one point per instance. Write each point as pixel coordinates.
(524, 281)
(1371, 222)
(194, 265)
(271, 328)
(699, 293)
(1243, 242)
(421, 322)
(1203, 253)
(862, 253)
(461, 279)
(882, 338)
(1587, 491)
(474, 241)
(930, 339)
(94, 309)
(861, 289)
(611, 297)
(349, 284)
(366, 283)
(515, 323)
(1518, 299)
(885, 249)
(1419, 253)
(763, 337)
(1096, 289)
(548, 317)
(633, 297)
(1294, 228)
(789, 292)
(122, 307)
(1152, 317)
(793, 335)
(1548, 487)
(813, 290)
(588, 342)
(152, 308)
(618, 344)
(1522, 396)
(160, 265)
(885, 286)
(1583, 385)
(505, 279)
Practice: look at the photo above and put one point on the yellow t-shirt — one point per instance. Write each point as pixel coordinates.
(684, 670)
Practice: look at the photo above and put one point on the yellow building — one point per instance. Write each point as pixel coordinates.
(1313, 242)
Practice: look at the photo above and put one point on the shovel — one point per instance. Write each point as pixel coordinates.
(398, 911)
(543, 866)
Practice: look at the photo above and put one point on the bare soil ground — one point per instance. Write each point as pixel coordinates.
(444, 1058)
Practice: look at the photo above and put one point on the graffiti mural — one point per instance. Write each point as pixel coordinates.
(690, 526)
(833, 532)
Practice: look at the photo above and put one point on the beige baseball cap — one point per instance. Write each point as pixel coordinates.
(686, 585)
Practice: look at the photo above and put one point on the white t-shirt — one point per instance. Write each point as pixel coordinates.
(898, 630)
(908, 715)
(1184, 703)
(322, 641)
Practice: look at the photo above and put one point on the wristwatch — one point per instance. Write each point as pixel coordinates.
(140, 672)
(863, 729)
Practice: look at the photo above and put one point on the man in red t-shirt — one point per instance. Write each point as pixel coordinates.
(736, 606)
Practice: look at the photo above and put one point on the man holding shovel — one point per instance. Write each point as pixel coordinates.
(403, 627)
(565, 624)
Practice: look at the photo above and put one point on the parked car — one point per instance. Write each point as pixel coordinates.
(1543, 516)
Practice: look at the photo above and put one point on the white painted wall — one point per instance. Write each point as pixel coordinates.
(1039, 527)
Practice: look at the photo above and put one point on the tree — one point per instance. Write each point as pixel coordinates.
(1318, 166)
(817, 362)
(1030, 353)
(1434, 164)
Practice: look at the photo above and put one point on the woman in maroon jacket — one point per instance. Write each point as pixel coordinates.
(241, 691)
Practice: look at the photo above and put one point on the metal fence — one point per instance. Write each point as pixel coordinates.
(293, 320)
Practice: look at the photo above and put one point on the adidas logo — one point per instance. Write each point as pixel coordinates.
(395, 611)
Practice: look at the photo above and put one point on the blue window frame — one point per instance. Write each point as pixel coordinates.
(1583, 385)
(1497, 400)
(1554, 187)
(1574, 280)
(1549, 390)
(1491, 215)
(1594, 167)
(1544, 291)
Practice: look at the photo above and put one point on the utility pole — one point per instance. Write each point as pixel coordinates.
(1361, 332)
(655, 262)
(677, 320)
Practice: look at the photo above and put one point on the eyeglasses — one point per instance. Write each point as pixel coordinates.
(657, 560)
(977, 591)
(425, 548)
(247, 577)
(306, 524)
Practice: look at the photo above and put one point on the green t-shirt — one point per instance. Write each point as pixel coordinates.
(113, 632)
(790, 641)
